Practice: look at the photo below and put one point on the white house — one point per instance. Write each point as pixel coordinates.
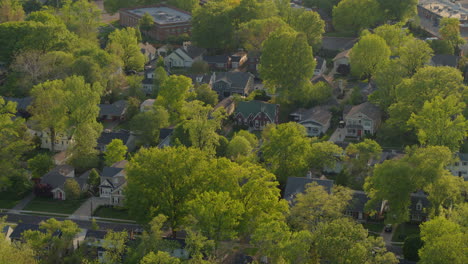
(62, 141)
(341, 58)
(184, 56)
(113, 181)
(148, 50)
(57, 177)
(460, 167)
(363, 119)
(147, 105)
(316, 120)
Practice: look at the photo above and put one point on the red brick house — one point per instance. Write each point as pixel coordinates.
(256, 114)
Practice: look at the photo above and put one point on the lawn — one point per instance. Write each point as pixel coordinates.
(374, 227)
(404, 230)
(54, 206)
(112, 212)
(9, 200)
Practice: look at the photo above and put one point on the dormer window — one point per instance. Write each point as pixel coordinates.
(419, 206)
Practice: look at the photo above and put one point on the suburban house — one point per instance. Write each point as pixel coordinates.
(256, 115)
(228, 104)
(148, 50)
(419, 207)
(168, 21)
(444, 60)
(460, 167)
(165, 135)
(114, 111)
(184, 56)
(337, 44)
(341, 62)
(316, 120)
(148, 81)
(238, 59)
(360, 120)
(17, 234)
(230, 83)
(94, 239)
(218, 62)
(356, 208)
(22, 105)
(113, 181)
(321, 66)
(56, 179)
(199, 79)
(107, 136)
(253, 60)
(164, 50)
(147, 105)
(296, 185)
(62, 141)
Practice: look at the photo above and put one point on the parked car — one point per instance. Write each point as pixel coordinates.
(388, 228)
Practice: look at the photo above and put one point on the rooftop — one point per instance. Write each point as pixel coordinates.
(163, 14)
(446, 8)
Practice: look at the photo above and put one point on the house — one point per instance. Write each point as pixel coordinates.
(22, 105)
(176, 248)
(147, 105)
(419, 207)
(256, 115)
(113, 112)
(148, 50)
(184, 56)
(218, 62)
(253, 60)
(164, 50)
(168, 21)
(113, 181)
(337, 44)
(296, 185)
(316, 120)
(95, 239)
(228, 104)
(356, 208)
(230, 83)
(199, 79)
(360, 120)
(17, 234)
(62, 141)
(460, 167)
(341, 62)
(107, 136)
(148, 81)
(56, 179)
(165, 135)
(321, 66)
(444, 60)
(238, 60)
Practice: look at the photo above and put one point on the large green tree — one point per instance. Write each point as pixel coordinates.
(398, 10)
(81, 17)
(450, 31)
(115, 152)
(356, 15)
(309, 23)
(366, 56)
(415, 54)
(149, 123)
(172, 95)
(11, 10)
(394, 35)
(124, 43)
(252, 34)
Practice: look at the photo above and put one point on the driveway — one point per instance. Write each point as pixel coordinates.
(87, 208)
(20, 206)
(338, 135)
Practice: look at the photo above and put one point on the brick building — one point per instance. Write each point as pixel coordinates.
(168, 21)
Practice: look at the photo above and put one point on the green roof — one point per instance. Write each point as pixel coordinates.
(254, 107)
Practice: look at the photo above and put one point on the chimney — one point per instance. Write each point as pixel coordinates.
(186, 44)
(309, 175)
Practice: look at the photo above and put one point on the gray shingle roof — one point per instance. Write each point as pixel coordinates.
(445, 60)
(367, 109)
(57, 176)
(115, 109)
(193, 51)
(317, 114)
(216, 58)
(106, 137)
(236, 79)
(110, 171)
(463, 156)
(296, 185)
(21, 103)
(337, 43)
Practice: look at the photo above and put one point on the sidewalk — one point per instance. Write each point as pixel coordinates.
(20, 206)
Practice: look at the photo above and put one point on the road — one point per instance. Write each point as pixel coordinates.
(34, 219)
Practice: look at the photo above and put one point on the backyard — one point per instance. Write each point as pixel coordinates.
(9, 200)
(54, 206)
(404, 230)
(112, 212)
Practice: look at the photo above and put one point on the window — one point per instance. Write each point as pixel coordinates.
(465, 163)
(456, 163)
(419, 206)
(256, 123)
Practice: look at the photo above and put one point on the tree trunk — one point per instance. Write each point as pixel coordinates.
(52, 139)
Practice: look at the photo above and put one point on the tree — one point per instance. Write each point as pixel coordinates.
(205, 94)
(415, 53)
(82, 18)
(115, 245)
(238, 147)
(252, 34)
(444, 242)
(287, 64)
(366, 56)
(160, 76)
(198, 245)
(345, 241)
(324, 155)
(450, 31)
(115, 152)
(215, 215)
(200, 67)
(94, 179)
(172, 95)
(94, 225)
(451, 127)
(441, 46)
(16, 253)
(135, 86)
(398, 10)
(146, 22)
(394, 35)
(358, 158)
(285, 150)
(411, 246)
(445, 193)
(72, 189)
(412, 93)
(387, 77)
(187, 5)
(309, 23)
(11, 10)
(356, 15)
(149, 124)
(124, 43)
(159, 258)
(316, 205)
(40, 165)
(326, 5)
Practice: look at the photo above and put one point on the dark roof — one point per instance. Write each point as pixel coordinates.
(193, 51)
(147, 81)
(358, 202)
(110, 171)
(337, 43)
(165, 132)
(366, 108)
(107, 136)
(83, 179)
(21, 103)
(20, 228)
(216, 58)
(236, 58)
(57, 176)
(317, 114)
(247, 108)
(115, 109)
(297, 185)
(236, 79)
(319, 61)
(445, 60)
(322, 78)
(180, 241)
(147, 48)
(95, 234)
(419, 197)
(199, 78)
(463, 156)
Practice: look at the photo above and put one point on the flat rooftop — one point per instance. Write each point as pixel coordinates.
(163, 14)
(445, 8)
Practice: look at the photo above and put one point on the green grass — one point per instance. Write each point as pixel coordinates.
(9, 200)
(404, 230)
(374, 227)
(112, 212)
(54, 206)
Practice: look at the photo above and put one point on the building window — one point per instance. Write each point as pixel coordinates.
(456, 163)
(465, 163)
(419, 207)
(256, 123)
